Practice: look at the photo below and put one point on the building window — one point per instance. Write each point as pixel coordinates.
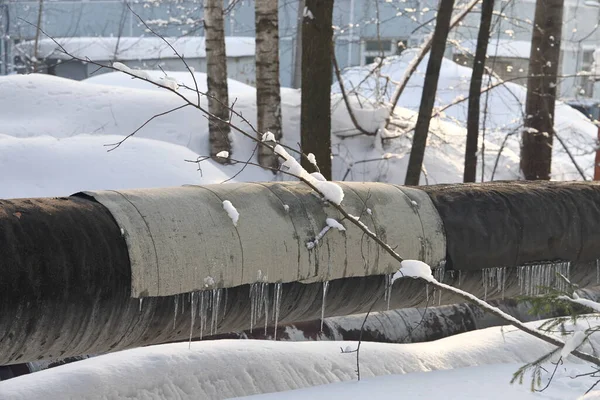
(378, 45)
(586, 84)
(381, 48)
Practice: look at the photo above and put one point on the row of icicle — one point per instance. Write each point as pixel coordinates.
(207, 305)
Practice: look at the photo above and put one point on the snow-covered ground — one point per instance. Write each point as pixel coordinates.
(114, 104)
(502, 110)
(46, 166)
(231, 368)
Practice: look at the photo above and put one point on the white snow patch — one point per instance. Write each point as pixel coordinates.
(135, 48)
(333, 223)
(311, 159)
(209, 281)
(268, 137)
(331, 192)
(223, 154)
(45, 166)
(318, 176)
(308, 14)
(413, 269)
(572, 343)
(119, 79)
(231, 211)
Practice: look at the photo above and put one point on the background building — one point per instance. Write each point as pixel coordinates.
(365, 29)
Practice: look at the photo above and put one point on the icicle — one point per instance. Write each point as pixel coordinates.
(257, 302)
(598, 271)
(225, 305)
(183, 303)
(484, 281)
(252, 305)
(325, 287)
(216, 303)
(440, 278)
(175, 314)
(527, 280)
(266, 300)
(201, 314)
(276, 305)
(141, 301)
(388, 289)
(503, 283)
(193, 312)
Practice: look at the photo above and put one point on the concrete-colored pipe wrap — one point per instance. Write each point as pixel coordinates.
(182, 239)
(110, 270)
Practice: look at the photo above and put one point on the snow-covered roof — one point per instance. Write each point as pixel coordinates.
(135, 48)
(499, 48)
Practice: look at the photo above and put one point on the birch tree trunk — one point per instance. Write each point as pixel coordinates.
(268, 97)
(438, 47)
(483, 38)
(317, 55)
(536, 146)
(216, 76)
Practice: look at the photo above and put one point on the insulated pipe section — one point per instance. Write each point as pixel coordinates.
(182, 239)
(507, 224)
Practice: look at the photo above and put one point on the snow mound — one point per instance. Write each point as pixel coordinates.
(503, 117)
(135, 48)
(490, 382)
(119, 79)
(229, 368)
(46, 166)
(63, 108)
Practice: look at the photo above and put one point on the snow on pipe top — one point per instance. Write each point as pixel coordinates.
(190, 238)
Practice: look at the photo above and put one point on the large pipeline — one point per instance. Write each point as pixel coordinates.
(104, 271)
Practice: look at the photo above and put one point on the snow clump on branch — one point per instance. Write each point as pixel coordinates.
(331, 191)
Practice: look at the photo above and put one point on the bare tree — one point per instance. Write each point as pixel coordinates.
(36, 54)
(216, 76)
(438, 47)
(268, 96)
(317, 55)
(536, 147)
(483, 38)
(297, 77)
(414, 64)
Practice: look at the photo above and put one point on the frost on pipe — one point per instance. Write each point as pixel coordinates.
(182, 239)
(508, 224)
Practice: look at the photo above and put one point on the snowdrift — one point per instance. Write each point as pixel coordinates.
(230, 368)
(114, 104)
(502, 115)
(46, 166)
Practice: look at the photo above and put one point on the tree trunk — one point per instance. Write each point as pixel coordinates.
(536, 147)
(297, 78)
(36, 55)
(317, 54)
(268, 97)
(438, 47)
(483, 38)
(216, 76)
